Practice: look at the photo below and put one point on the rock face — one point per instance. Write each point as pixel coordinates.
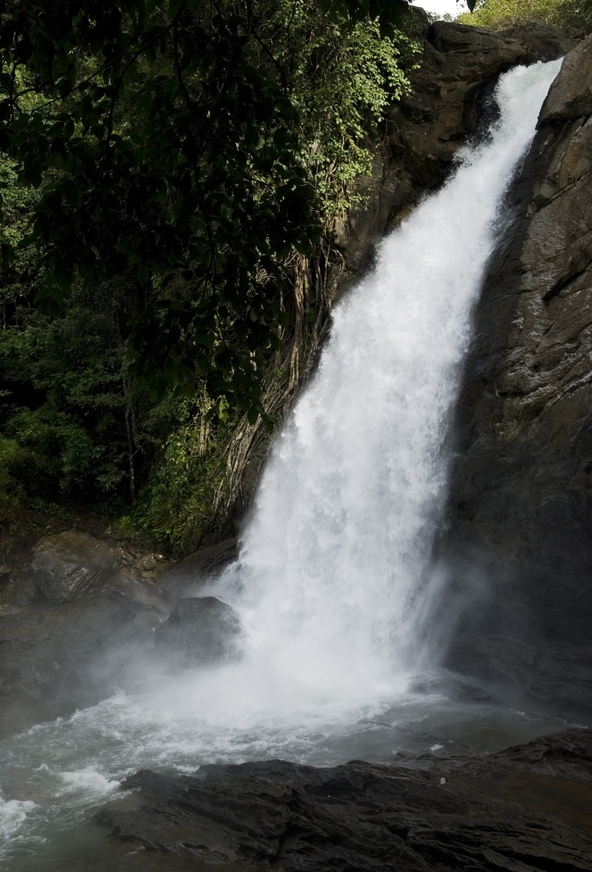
(571, 96)
(72, 565)
(69, 625)
(522, 502)
(55, 658)
(426, 815)
(200, 631)
(448, 95)
(75, 622)
(559, 674)
(190, 572)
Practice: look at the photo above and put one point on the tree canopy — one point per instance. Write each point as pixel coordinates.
(174, 146)
(167, 172)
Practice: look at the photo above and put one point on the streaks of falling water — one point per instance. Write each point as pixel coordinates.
(333, 582)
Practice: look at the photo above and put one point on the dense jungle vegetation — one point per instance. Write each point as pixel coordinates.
(171, 175)
(171, 178)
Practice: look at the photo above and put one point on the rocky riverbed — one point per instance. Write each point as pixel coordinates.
(527, 808)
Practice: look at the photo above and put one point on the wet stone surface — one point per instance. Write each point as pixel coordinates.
(428, 813)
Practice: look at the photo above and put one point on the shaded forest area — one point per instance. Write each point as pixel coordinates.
(171, 176)
(171, 179)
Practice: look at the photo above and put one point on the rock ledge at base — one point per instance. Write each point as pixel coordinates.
(429, 814)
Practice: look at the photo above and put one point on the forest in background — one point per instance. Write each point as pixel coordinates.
(171, 180)
(170, 175)
(503, 14)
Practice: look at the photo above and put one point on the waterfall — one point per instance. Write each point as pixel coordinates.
(334, 583)
(335, 561)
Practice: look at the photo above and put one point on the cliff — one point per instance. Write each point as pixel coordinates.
(448, 100)
(521, 505)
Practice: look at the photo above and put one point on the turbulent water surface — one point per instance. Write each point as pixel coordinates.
(341, 607)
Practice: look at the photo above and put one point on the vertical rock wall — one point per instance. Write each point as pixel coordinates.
(521, 510)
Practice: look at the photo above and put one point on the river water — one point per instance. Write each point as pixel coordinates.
(345, 617)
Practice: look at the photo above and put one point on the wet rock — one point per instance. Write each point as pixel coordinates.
(18, 591)
(55, 658)
(448, 95)
(102, 613)
(519, 531)
(360, 816)
(129, 585)
(560, 674)
(571, 94)
(200, 631)
(197, 569)
(568, 754)
(71, 565)
(546, 41)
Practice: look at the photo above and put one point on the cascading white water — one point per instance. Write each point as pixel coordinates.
(335, 560)
(333, 582)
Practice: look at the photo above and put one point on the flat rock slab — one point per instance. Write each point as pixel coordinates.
(433, 815)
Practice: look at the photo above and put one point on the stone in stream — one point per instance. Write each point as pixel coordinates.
(200, 631)
(426, 814)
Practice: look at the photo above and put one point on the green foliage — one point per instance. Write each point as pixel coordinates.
(175, 506)
(168, 145)
(341, 84)
(64, 400)
(51, 510)
(12, 494)
(163, 168)
(501, 14)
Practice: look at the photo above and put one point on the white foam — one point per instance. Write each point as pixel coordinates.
(13, 815)
(87, 782)
(334, 582)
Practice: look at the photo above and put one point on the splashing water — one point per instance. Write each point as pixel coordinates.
(336, 558)
(333, 583)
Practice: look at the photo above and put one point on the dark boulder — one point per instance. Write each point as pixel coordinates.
(430, 814)
(571, 95)
(546, 41)
(200, 631)
(71, 565)
(104, 607)
(559, 674)
(197, 569)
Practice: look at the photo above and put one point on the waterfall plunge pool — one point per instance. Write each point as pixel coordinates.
(55, 776)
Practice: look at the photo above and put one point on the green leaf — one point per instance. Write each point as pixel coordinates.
(174, 7)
